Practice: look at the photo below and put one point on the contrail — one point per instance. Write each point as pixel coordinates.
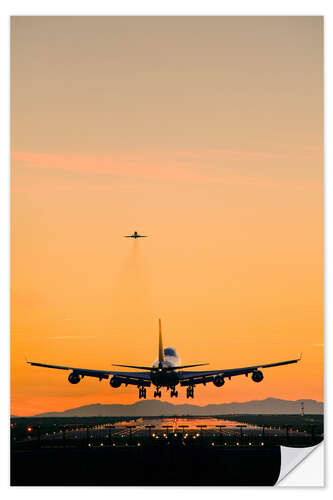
(73, 337)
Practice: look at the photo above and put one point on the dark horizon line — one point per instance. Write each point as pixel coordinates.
(173, 404)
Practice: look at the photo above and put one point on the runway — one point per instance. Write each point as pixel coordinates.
(158, 427)
(152, 451)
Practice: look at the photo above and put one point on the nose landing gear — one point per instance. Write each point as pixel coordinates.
(190, 391)
(142, 392)
(174, 393)
(157, 393)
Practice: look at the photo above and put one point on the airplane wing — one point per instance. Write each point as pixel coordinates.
(202, 377)
(127, 377)
(142, 236)
(128, 236)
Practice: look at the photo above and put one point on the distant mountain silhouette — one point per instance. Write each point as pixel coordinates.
(153, 407)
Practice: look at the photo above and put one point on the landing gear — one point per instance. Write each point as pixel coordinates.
(142, 393)
(190, 391)
(174, 393)
(157, 393)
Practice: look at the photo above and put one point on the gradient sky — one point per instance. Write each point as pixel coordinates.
(205, 133)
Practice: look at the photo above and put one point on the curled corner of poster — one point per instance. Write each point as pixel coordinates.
(302, 466)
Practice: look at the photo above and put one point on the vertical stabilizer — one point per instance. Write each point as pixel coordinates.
(160, 343)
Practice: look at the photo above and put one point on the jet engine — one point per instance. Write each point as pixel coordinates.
(218, 381)
(74, 378)
(115, 382)
(257, 376)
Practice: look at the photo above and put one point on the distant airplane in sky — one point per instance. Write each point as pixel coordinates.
(135, 235)
(167, 372)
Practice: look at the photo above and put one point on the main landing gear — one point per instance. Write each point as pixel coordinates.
(142, 392)
(190, 392)
(157, 393)
(173, 393)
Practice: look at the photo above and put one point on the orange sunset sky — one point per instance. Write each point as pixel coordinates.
(206, 134)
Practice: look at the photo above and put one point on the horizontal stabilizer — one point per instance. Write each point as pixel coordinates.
(137, 367)
(153, 368)
(186, 366)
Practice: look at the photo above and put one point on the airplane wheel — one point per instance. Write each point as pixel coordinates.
(176, 394)
(155, 394)
(159, 394)
(190, 392)
(144, 393)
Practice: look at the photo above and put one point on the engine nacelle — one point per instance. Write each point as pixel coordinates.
(218, 381)
(257, 376)
(74, 378)
(115, 382)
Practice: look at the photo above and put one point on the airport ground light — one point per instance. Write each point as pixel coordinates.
(187, 438)
(74, 435)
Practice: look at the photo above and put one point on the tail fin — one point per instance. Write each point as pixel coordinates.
(160, 344)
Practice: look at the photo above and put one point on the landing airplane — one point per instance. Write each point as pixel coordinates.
(167, 372)
(136, 235)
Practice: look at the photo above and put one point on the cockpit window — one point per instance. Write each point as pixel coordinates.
(169, 351)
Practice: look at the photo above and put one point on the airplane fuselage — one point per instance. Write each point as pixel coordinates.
(135, 235)
(161, 376)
